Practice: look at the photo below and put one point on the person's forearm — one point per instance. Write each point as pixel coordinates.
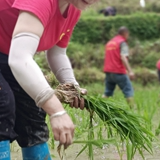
(126, 63)
(25, 69)
(60, 65)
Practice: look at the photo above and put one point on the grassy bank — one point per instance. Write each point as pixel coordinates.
(124, 7)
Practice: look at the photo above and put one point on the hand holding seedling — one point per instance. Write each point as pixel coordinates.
(78, 101)
(68, 93)
(61, 124)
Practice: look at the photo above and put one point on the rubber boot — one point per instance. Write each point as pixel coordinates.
(5, 150)
(38, 152)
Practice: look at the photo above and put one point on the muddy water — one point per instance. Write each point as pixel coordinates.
(108, 153)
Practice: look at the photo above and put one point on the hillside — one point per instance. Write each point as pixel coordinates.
(126, 6)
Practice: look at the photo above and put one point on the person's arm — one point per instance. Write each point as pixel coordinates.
(60, 65)
(124, 54)
(24, 44)
(62, 69)
(126, 63)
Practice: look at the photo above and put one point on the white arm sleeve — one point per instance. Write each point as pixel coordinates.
(25, 69)
(60, 65)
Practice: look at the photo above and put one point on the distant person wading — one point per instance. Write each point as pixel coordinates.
(116, 66)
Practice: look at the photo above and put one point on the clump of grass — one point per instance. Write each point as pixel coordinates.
(130, 127)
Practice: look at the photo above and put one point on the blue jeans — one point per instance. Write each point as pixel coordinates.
(122, 80)
(20, 118)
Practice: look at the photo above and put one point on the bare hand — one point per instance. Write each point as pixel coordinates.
(79, 102)
(71, 94)
(131, 75)
(63, 129)
(62, 126)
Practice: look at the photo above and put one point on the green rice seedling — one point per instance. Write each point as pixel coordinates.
(99, 143)
(130, 127)
(92, 141)
(157, 131)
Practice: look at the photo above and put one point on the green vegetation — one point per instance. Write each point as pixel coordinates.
(93, 29)
(87, 61)
(124, 7)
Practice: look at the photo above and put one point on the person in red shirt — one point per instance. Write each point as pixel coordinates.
(26, 27)
(116, 65)
(158, 69)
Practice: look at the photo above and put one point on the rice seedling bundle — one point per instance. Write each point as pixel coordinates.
(129, 126)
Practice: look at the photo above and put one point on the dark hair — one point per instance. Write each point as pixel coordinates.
(123, 30)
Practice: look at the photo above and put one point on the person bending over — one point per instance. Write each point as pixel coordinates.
(116, 66)
(27, 27)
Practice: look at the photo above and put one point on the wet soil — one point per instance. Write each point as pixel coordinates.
(107, 153)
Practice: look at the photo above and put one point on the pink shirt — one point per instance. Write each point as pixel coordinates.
(158, 65)
(57, 29)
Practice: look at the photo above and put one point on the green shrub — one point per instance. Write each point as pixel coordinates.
(100, 29)
(137, 54)
(145, 54)
(145, 76)
(153, 7)
(88, 55)
(150, 60)
(89, 75)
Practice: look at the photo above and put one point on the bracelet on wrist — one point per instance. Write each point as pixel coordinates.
(58, 114)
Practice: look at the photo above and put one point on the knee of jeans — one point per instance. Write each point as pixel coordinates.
(108, 93)
(128, 92)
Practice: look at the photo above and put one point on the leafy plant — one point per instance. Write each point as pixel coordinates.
(99, 29)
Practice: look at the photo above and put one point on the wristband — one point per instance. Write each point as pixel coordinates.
(61, 113)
